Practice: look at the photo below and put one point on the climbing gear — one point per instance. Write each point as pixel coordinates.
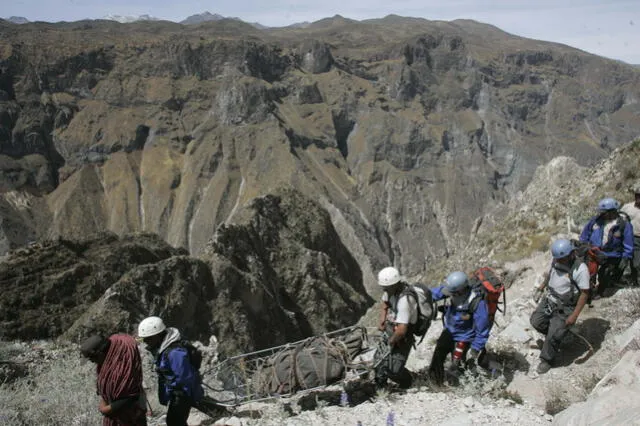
(608, 204)
(389, 276)
(151, 326)
(561, 248)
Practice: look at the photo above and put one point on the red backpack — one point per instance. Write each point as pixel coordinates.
(488, 285)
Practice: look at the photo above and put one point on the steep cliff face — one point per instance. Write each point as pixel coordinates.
(404, 130)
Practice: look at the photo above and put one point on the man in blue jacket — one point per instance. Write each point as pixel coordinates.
(179, 383)
(466, 326)
(612, 233)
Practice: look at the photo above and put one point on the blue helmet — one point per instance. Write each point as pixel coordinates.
(456, 282)
(607, 204)
(561, 248)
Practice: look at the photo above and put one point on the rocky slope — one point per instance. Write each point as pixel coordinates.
(405, 130)
(279, 274)
(560, 199)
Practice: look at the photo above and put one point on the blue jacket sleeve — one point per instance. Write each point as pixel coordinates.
(627, 241)
(481, 326)
(184, 377)
(436, 293)
(585, 236)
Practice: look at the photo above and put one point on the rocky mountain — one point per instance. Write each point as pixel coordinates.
(202, 17)
(127, 19)
(18, 20)
(404, 130)
(208, 17)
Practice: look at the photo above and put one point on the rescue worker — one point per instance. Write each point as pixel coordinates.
(399, 311)
(119, 379)
(466, 326)
(633, 211)
(568, 290)
(612, 233)
(179, 383)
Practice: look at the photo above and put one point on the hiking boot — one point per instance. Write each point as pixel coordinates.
(596, 297)
(543, 367)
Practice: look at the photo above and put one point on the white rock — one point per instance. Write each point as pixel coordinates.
(630, 339)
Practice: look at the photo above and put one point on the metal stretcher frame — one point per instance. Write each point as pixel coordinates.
(236, 373)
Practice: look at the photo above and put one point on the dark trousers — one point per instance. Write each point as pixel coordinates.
(393, 367)
(178, 411)
(551, 323)
(609, 273)
(444, 347)
(635, 263)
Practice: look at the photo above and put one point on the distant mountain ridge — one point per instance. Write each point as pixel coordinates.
(18, 20)
(207, 16)
(126, 19)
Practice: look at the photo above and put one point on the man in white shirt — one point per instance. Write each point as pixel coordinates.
(633, 211)
(568, 289)
(399, 311)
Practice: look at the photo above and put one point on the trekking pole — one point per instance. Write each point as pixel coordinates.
(590, 350)
(387, 352)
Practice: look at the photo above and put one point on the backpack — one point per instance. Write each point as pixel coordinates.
(194, 354)
(486, 283)
(424, 301)
(590, 255)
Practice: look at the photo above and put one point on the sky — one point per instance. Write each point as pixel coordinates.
(608, 28)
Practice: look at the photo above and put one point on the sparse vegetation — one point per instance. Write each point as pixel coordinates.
(59, 391)
(556, 401)
(512, 396)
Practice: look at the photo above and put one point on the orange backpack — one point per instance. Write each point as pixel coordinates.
(488, 285)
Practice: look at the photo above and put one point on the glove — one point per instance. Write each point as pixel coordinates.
(624, 264)
(537, 294)
(472, 358)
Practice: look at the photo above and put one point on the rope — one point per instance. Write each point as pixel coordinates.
(120, 375)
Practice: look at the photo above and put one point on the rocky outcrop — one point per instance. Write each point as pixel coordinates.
(614, 400)
(283, 267)
(178, 289)
(315, 57)
(47, 286)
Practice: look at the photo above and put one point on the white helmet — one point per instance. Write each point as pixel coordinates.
(150, 327)
(389, 276)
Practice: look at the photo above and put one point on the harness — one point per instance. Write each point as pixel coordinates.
(469, 306)
(409, 292)
(557, 301)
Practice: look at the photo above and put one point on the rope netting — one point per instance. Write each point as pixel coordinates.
(302, 366)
